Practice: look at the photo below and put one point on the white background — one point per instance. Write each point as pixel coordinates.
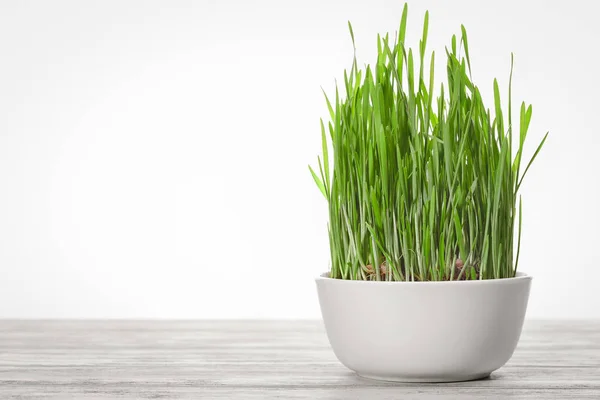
(153, 154)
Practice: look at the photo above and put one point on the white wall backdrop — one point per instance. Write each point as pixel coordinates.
(153, 154)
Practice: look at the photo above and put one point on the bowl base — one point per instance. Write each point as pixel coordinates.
(433, 379)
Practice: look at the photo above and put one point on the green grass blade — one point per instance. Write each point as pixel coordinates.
(466, 45)
(318, 182)
(402, 33)
(519, 236)
(539, 148)
(325, 156)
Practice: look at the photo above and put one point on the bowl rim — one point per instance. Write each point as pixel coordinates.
(520, 277)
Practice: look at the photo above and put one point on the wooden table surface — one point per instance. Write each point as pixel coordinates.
(261, 360)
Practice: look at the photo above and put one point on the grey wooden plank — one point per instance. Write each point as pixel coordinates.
(373, 393)
(261, 359)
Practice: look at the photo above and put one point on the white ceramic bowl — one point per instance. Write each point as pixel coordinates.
(424, 331)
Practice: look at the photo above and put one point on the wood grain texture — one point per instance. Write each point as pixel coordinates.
(261, 360)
